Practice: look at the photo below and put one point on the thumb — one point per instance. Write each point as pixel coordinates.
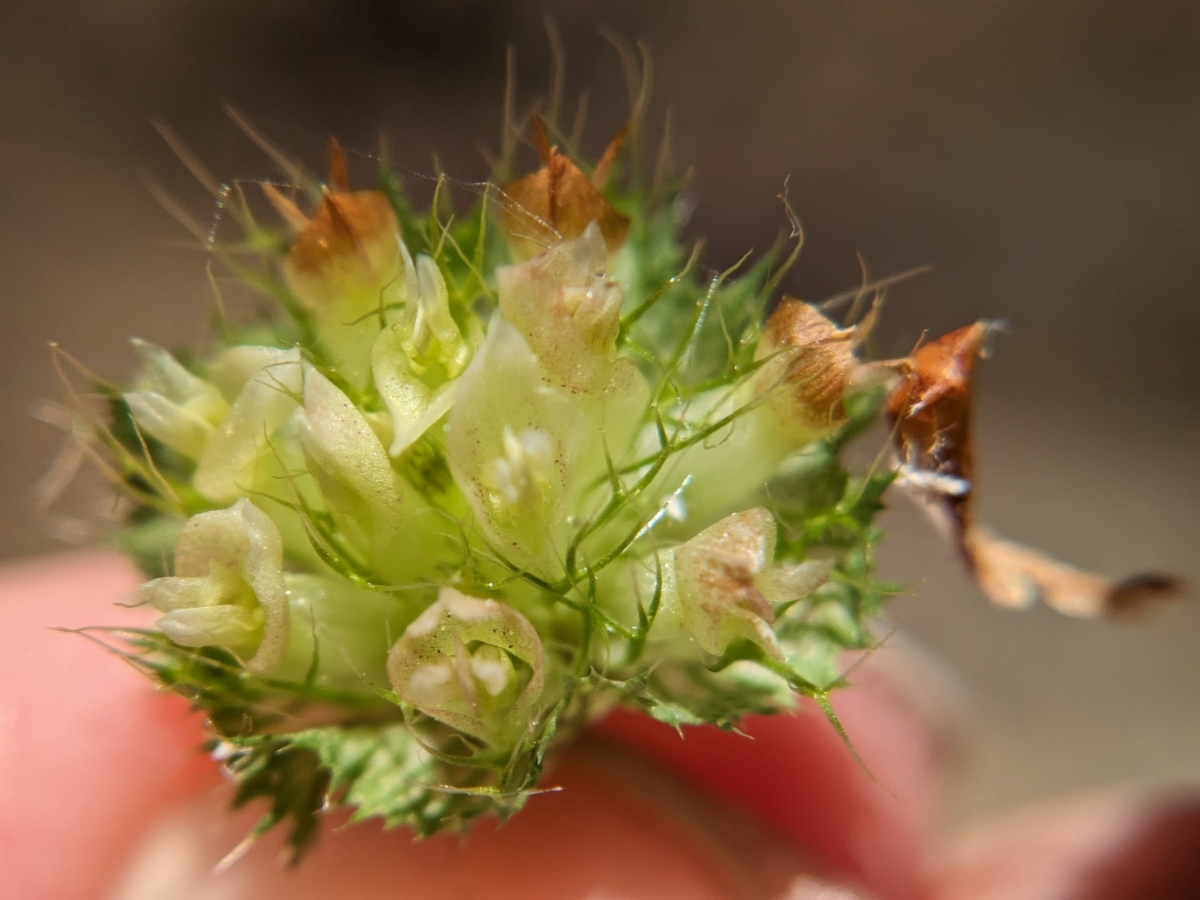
(88, 754)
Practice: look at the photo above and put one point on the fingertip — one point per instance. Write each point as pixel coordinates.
(90, 751)
(614, 830)
(869, 820)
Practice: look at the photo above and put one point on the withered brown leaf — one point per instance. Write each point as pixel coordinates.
(930, 410)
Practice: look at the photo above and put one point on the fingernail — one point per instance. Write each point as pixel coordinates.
(808, 888)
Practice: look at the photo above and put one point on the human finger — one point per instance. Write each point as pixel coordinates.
(617, 828)
(868, 819)
(623, 828)
(1114, 845)
(88, 754)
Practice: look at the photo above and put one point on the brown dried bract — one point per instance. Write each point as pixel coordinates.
(819, 357)
(557, 202)
(931, 412)
(350, 238)
(813, 364)
(343, 224)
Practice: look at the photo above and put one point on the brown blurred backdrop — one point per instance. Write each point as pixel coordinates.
(1044, 157)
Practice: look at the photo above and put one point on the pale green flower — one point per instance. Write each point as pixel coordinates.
(175, 407)
(228, 587)
(727, 586)
(475, 665)
(233, 458)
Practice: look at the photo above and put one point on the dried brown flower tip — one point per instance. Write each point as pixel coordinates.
(813, 364)
(557, 202)
(349, 243)
(931, 413)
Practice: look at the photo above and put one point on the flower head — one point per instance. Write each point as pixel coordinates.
(486, 472)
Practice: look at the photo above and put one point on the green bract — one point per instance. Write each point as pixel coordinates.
(485, 474)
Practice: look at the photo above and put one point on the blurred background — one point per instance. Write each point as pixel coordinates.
(1043, 158)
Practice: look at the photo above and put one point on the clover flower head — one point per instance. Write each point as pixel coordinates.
(490, 468)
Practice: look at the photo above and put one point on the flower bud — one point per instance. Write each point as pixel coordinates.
(345, 264)
(511, 442)
(413, 405)
(566, 310)
(795, 397)
(361, 490)
(228, 587)
(232, 370)
(350, 244)
(727, 585)
(176, 408)
(431, 335)
(416, 361)
(810, 364)
(547, 376)
(810, 367)
(475, 665)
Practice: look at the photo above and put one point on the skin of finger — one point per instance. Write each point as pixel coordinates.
(86, 742)
(869, 818)
(88, 754)
(1119, 844)
(615, 830)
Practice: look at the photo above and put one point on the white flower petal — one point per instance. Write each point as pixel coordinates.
(269, 397)
(224, 626)
(243, 540)
(169, 423)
